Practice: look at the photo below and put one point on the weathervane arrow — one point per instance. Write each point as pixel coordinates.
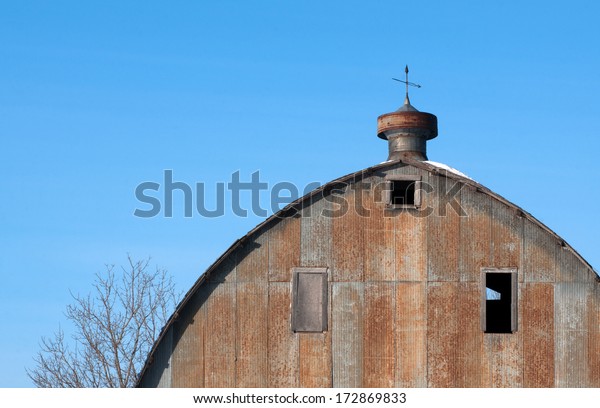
(407, 84)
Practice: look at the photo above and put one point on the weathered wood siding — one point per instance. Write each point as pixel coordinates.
(405, 296)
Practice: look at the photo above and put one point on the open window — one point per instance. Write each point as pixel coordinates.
(309, 304)
(499, 300)
(403, 191)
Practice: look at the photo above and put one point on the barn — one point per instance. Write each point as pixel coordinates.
(404, 274)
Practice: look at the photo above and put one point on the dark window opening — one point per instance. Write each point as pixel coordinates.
(499, 304)
(402, 192)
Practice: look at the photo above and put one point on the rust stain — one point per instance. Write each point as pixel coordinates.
(219, 351)
(504, 353)
(469, 345)
(593, 308)
(379, 262)
(282, 343)
(410, 331)
(571, 334)
(570, 269)
(251, 338)
(475, 234)
(379, 350)
(188, 351)
(225, 271)
(442, 338)
(540, 254)
(507, 237)
(411, 247)
(538, 335)
(315, 235)
(315, 358)
(443, 235)
(407, 120)
(347, 324)
(348, 247)
(284, 249)
(253, 260)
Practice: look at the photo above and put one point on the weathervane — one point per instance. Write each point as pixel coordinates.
(407, 101)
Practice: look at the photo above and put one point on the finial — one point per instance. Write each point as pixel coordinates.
(406, 99)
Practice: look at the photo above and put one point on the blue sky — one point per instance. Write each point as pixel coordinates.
(97, 97)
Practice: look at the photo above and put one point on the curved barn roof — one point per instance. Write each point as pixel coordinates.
(295, 207)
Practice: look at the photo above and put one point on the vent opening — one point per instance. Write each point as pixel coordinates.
(402, 192)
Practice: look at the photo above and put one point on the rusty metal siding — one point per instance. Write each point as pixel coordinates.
(284, 249)
(160, 374)
(251, 291)
(540, 254)
(348, 247)
(570, 269)
(442, 330)
(316, 250)
(220, 337)
(410, 332)
(253, 260)
(251, 337)
(315, 235)
(379, 253)
(507, 237)
(347, 334)
(314, 349)
(164, 360)
(571, 337)
(315, 358)
(470, 338)
(475, 234)
(188, 345)
(225, 272)
(593, 308)
(378, 335)
(410, 246)
(504, 354)
(283, 370)
(443, 233)
(404, 302)
(538, 334)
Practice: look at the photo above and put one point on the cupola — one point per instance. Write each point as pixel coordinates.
(407, 130)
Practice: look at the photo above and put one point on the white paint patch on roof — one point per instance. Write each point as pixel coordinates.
(448, 168)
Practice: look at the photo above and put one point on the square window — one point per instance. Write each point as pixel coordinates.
(309, 304)
(403, 191)
(499, 300)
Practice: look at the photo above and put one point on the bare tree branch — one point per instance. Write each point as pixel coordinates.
(115, 327)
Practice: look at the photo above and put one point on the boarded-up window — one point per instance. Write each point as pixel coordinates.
(309, 307)
(499, 300)
(403, 191)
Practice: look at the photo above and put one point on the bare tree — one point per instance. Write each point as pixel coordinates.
(114, 329)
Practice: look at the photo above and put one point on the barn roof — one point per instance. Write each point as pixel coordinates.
(294, 207)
